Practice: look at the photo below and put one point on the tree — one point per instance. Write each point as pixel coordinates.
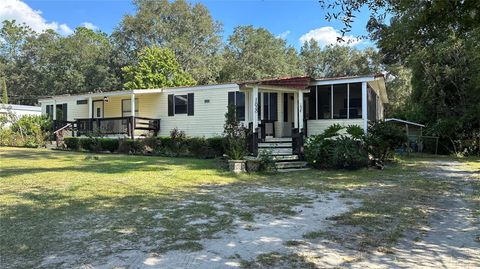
(42, 64)
(189, 30)
(255, 53)
(4, 92)
(337, 60)
(438, 42)
(156, 68)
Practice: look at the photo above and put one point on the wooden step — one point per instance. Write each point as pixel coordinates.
(274, 145)
(292, 164)
(278, 139)
(292, 170)
(276, 151)
(282, 158)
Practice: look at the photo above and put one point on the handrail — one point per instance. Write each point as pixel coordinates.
(63, 128)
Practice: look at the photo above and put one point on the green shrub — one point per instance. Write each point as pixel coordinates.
(383, 138)
(129, 146)
(215, 144)
(89, 144)
(235, 139)
(108, 144)
(72, 143)
(334, 150)
(26, 131)
(267, 163)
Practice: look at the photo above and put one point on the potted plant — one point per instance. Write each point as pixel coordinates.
(235, 139)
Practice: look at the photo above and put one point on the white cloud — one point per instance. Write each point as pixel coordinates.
(23, 13)
(284, 34)
(327, 36)
(90, 26)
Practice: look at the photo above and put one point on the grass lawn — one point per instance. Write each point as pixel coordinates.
(66, 202)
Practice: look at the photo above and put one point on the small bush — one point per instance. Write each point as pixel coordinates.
(383, 138)
(72, 143)
(108, 144)
(267, 163)
(89, 144)
(25, 131)
(334, 150)
(129, 146)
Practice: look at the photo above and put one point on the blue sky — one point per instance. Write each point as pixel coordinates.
(288, 19)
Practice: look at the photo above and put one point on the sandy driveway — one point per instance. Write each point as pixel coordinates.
(281, 241)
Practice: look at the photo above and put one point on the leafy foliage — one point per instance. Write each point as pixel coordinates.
(235, 135)
(254, 53)
(4, 92)
(336, 60)
(156, 68)
(383, 138)
(26, 131)
(187, 29)
(331, 149)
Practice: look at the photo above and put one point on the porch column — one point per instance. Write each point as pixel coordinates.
(295, 110)
(90, 108)
(254, 107)
(54, 109)
(364, 107)
(132, 106)
(300, 111)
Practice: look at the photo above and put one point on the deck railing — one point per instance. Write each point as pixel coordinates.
(113, 126)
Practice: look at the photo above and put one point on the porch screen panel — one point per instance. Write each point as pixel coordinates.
(312, 103)
(340, 101)
(324, 102)
(355, 101)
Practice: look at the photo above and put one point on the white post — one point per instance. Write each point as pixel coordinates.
(364, 106)
(90, 107)
(295, 109)
(132, 104)
(262, 107)
(300, 111)
(254, 107)
(54, 109)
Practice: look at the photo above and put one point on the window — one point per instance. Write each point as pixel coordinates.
(62, 112)
(49, 111)
(82, 102)
(127, 107)
(355, 101)
(181, 104)
(238, 100)
(324, 101)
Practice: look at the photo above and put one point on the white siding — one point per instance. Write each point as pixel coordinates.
(315, 127)
(208, 118)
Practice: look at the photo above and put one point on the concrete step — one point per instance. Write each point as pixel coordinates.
(283, 158)
(276, 151)
(293, 164)
(274, 145)
(278, 139)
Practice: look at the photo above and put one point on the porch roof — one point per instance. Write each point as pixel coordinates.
(102, 94)
(299, 83)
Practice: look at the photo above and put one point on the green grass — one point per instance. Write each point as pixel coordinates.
(56, 202)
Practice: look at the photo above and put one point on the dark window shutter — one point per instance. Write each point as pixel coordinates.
(273, 106)
(285, 107)
(170, 105)
(259, 106)
(190, 106)
(312, 103)
(64, 112)
(231, 98)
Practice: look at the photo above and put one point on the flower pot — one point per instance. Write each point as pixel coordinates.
(237, 166)
(253, 165)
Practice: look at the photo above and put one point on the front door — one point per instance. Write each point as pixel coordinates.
(97, 109)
